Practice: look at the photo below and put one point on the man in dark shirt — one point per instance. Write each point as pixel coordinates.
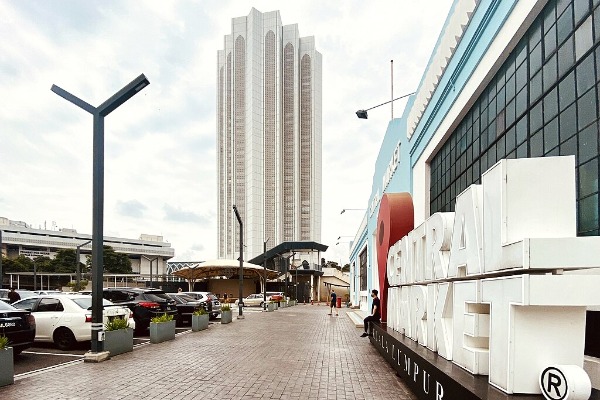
(13, 296)
(375, 314)
(332, 304)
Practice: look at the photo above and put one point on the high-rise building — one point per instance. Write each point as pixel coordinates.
(268, 135)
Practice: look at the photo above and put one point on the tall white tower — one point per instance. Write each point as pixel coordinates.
(269, 89)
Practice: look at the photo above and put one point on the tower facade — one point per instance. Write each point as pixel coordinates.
(268, 135)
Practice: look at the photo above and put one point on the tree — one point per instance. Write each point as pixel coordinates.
(19, 264)
(64, 261)
(43, 264)
(114, 263)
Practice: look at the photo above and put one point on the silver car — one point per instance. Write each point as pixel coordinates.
(208, 296)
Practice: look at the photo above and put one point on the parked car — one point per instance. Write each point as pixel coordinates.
(43, 292)
(275, 296)
(206, 296)
(18, 326)
(256, 299)
(66, 320)
(145, 304)
(4, 295)
(186, 306)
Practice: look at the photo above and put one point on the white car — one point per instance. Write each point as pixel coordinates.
(66, 320)
(256, 299)
(215, 310)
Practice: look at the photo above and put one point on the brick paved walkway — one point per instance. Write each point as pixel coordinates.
(293, 353)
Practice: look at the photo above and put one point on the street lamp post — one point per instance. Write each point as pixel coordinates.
(241, 273)
(98, 114)
(77, 266)
(362, 114)
(265, 269)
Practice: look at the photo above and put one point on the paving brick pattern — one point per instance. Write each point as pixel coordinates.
(293, 353)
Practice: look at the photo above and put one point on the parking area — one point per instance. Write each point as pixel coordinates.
(45, 356)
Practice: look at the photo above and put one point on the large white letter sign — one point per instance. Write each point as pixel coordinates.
(466, 255)
(439, 237)
(501, 286)
(537, 321)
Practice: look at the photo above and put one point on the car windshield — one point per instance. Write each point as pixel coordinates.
(6, 307)
(185, 298)
(86, 303)
(156, 296)
(25, 293)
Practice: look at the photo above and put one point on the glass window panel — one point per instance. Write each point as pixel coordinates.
(550, 41)
(588, 178)
(550, 73)
(476, 172)
(585, 75)
(535, 34)
(535, 86)
(483, 119)
(521, 102)
(549, 17)
(561, 5)
(535, 59)
(588, 213)
(510, 138)
(581, 8)
(510, 88)
(566, 90)
(588, 143)
(522, 130)
(521, 76)
(552, 153)
(551, 135)
(492, 110)
(586, 108)
(564, 25)
(500, 147)
(512, 154)
(510, 113)
(566, 57)
(536, 143)
(522, 151)
(500, 123)
(492, 132)
(501, 98)
(568, 122)
(521, 52)
(475, 148)
(510, 67)
(536, 117)
(597, 23)
(583, 38)
(569, 148)
(551, 105)
(484, 139)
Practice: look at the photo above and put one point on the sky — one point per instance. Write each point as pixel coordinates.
(160, 146)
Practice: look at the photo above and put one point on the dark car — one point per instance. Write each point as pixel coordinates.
(145, 304)
(18, 326)
(186, 306)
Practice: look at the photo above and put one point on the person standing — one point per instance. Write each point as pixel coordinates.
(13, 296)
(332, 303)
(375, 314)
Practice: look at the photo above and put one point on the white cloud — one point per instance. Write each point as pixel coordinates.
(160, 163)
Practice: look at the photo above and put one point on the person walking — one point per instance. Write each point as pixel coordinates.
(332, 304)
(375, 314)
(13, 296)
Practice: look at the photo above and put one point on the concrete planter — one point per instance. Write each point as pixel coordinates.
(199, 322)
(226, 317)
(162, 331)
(270, 307)
(7, 372)
(119, 341)
(276, 305)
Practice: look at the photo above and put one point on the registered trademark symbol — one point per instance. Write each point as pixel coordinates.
(554, 384)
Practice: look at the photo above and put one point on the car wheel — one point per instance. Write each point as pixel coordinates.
(64, 339)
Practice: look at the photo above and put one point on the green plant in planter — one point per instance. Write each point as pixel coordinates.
(226, 308)
(3, 342)
(116, 324)
(201, 311)
(162, 318)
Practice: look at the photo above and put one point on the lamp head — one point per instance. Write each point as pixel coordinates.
(362, 114)
(343, 211)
